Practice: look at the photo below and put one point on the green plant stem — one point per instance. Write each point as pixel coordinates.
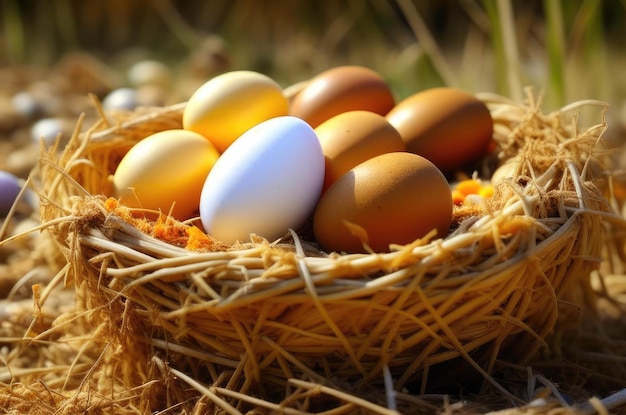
(509, 38)
(14, 30)
(504, 41)
(594, 48)
(556, 51)
(498, 47)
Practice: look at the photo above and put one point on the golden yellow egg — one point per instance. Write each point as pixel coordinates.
(166, 171)
(231, 103)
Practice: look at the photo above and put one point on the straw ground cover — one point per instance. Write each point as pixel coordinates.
(229, 322)
(149, 297)
(75, 364)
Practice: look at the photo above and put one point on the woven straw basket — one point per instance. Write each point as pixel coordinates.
(263, 313)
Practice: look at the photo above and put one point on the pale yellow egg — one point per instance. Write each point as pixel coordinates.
(166, 172)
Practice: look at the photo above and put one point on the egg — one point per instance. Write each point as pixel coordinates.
(342, 89)
(393, 198)
(122, 99)
(49, 130)
(447, 126)
(353, 137)
(26, 105)
(149, 72)
(165, 171)
(509, 169)
(9, 190)
(231, 103)
(267, 181)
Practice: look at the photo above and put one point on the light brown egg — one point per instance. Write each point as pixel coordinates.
(353, 137)
(393, 198)
(342, 89)
(447, 126)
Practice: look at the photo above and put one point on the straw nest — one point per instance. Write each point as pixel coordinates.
(273, 321)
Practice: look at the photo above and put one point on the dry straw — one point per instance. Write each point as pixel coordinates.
(183, 321)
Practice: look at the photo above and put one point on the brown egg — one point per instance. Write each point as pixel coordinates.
(342, 89)
(446, 125)
(353, 137)
(393, 198)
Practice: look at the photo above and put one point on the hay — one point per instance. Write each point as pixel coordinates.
(183, 322)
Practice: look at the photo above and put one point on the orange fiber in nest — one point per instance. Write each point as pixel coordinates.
(166, 229)
(200, 241)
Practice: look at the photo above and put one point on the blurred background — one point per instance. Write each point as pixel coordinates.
(566, 50)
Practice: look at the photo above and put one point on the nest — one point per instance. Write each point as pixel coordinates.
(274, 324)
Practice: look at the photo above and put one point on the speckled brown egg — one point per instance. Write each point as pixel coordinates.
(393, 198)
(448, 126)
(353, 137)
(341, 89)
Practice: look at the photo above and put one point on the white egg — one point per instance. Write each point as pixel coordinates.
(25, 104)
(47, 129)
(120, 99)
(267, 181)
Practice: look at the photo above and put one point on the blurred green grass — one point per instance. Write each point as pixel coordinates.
(568, 49)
